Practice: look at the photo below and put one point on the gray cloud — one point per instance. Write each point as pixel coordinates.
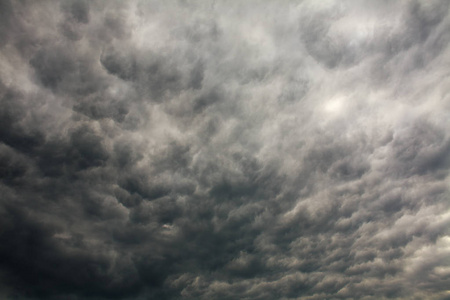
(226, 150)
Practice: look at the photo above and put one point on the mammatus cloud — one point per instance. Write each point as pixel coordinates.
(224, 150)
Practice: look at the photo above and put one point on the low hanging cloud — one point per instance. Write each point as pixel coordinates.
(224, 150)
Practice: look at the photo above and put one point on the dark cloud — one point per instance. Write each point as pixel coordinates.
(182, 150)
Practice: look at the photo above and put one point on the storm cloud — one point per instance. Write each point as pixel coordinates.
(224, 149)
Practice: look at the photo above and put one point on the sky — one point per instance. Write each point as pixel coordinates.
(224, 149)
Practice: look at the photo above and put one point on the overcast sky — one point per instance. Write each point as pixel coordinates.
(224, 150)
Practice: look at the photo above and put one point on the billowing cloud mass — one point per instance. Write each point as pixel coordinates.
(224, 149)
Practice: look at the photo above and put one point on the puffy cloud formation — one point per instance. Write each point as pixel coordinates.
(224, 150)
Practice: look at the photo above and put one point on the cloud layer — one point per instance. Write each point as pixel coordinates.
(224, 150)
